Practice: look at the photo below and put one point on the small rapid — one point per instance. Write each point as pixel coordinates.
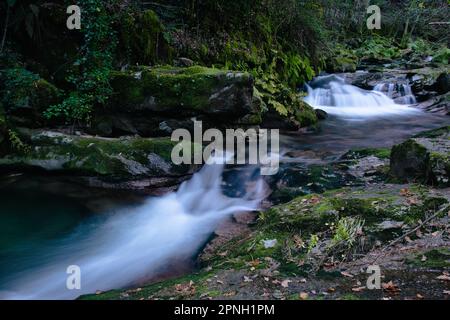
(332, 94)
(134, 244)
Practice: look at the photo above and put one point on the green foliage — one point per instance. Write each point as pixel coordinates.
(16, 143)
(442, 55)
(347, 231)
(17, 85)
(90, 76)
(313, 241)
(378, 47)
(144, 38)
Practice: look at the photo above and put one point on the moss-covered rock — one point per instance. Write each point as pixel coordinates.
(25, 96)
(156, 101)
(184, 91)
(424, 158)
(107, 158)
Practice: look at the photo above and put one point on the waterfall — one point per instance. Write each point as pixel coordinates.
(136, 243)
(407, 97)
(332, 94)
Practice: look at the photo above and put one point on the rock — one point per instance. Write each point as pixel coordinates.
(35, 100)
(429, 79)
(390, 224)
(155, 101)
(424, 158)
(438, 104)
(321, 114)
(269, 243)
(442, 84)
(108, 159)
(183, 62)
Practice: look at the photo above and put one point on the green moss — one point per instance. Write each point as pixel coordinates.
(305, 114)
(198, 279)
(381, 153)
(434, 133)
(436, 258)
(111, 158)
(167, 89)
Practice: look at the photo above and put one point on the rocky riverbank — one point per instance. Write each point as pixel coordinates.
(319, 246)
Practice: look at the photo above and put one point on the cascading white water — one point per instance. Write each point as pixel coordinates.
(130, 246)
(332, 94)
(407, 97)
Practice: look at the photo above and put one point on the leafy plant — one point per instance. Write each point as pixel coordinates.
(90, 76)
(346, 231)
(17, 85)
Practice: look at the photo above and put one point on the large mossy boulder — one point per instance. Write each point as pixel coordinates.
(156, 101)
(110, 159)
(424, 158)
(25, 96)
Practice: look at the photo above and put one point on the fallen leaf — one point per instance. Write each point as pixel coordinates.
(405, 192)
(390, 287)
(444, 277)
(419, 296)
(303, 296)
(358, 289)
(247, 279)
(424, 258)
(285, 283)
(346, 274)
(447, 292)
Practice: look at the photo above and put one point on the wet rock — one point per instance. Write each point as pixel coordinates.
(424, 158)
(438, 104)
(108, 159)
(321, 114)
(183, 62)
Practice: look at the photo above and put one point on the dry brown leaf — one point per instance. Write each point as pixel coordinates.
(390, 287)
(285, 283)
(358, 289)
(405, 192)
(303, 295)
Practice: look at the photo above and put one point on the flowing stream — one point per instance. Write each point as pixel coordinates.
(131, 243)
